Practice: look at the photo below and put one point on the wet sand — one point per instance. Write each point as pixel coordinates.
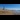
(8, 12)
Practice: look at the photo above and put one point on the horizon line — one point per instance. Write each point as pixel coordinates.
(11, 8)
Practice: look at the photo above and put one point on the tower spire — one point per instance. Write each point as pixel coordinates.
(3, 7)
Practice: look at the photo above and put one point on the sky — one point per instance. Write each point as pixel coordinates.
(11, 6)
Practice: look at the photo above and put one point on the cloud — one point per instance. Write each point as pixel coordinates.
(13, 8)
